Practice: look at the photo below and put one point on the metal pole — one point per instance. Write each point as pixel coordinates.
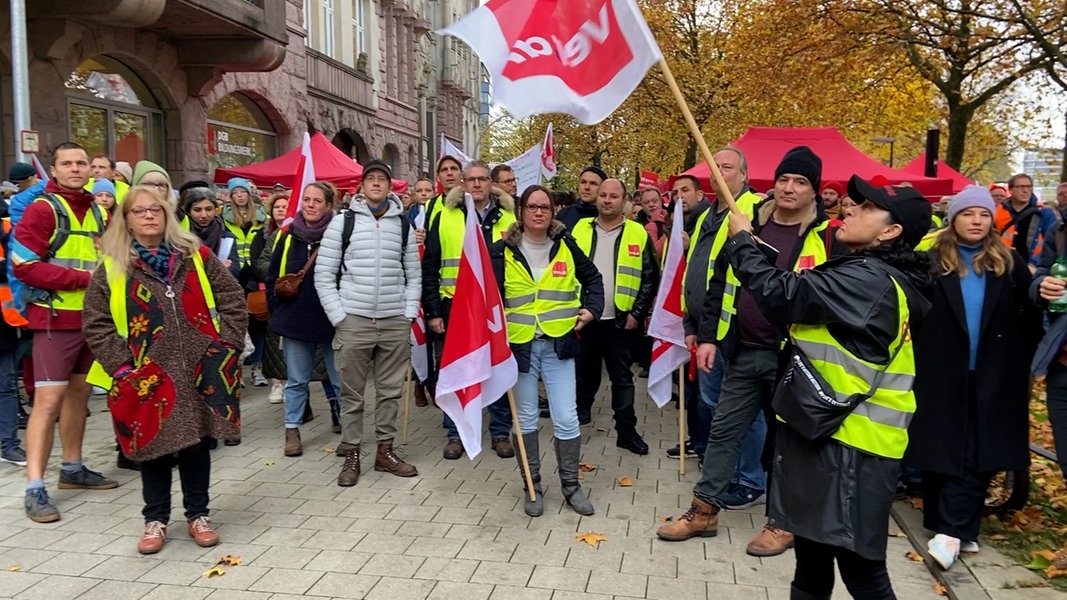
(20, 74)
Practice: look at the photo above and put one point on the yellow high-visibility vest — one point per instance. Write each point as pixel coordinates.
(628, 260)
(747, 203)
(78, 251)
(451, 228)
(550, 303)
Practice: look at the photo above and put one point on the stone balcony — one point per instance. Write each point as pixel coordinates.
(339, 82)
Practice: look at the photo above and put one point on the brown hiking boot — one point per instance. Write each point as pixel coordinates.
(293, 447)
(420, 396)
(344, 448)
(350, 471)
(503, 448)
(702, 519)
(387, 460)
(770, 542)
(453, 450)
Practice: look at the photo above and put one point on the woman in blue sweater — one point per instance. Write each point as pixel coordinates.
(972, 359)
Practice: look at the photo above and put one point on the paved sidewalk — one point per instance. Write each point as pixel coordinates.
(455, 531)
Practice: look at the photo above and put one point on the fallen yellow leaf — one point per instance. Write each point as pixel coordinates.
(591, 537)
(624, 482)
(215, 571)
(229, 560)
(940, 589)
(664, 519)
(328, 450)
(899, 534)
(912, 555)
(269, 463)
(1049, 554)
(586, 467)
(1053, 572)
(15, 568)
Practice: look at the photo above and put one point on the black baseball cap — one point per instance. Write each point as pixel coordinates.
(910, 209)
(377, 165)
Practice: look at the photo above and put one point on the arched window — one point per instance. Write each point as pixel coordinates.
(111, 111)
(391, 157)
(238, 133)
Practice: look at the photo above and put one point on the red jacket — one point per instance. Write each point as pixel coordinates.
(34, 232)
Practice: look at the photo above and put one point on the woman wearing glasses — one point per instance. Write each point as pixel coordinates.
(539, 269)
(149, 174)
(166, 320)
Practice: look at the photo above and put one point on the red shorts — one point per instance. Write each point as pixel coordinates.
(59, 354)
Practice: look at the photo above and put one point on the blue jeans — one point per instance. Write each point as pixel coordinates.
(561, 386)
(257, 331)
(299, 363)
(499, 420)
(9, 402)
(749, 469)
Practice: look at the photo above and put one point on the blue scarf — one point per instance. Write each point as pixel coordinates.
(158, 260)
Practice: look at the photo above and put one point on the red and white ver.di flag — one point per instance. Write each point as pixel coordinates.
(578, 57)
(420, 358)
(548, 155)
(305, 176)
(665, 327)
(477, 366)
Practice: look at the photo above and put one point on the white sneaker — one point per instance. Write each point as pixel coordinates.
(277, 394)
(944, 549)
(969, 548)
(258, 380)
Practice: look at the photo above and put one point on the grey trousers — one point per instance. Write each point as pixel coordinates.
(747, 386)
(371, 349)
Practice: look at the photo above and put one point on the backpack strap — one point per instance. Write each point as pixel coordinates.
(346, 238)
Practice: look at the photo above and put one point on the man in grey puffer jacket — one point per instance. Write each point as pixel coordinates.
(372, 308)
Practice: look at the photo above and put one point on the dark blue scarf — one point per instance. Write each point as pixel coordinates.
(158, 260)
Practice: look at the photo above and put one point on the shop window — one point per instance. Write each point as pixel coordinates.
(238, 133)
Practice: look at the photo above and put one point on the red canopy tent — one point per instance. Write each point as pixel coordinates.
(959, 180)
(764, 148)
(330, 165)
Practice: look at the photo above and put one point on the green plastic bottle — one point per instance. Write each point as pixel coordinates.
(1059, 271)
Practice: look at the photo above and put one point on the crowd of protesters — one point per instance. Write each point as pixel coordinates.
(922, 320)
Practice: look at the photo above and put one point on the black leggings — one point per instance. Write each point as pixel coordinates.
(194, 471)
(865, 579)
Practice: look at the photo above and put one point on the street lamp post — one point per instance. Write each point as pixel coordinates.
(886, 140)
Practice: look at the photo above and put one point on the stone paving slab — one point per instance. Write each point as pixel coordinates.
(455, 531)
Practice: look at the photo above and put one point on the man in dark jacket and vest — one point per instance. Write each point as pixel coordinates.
(795, 229)
(589, 182)
(625, 257)
(440, 268)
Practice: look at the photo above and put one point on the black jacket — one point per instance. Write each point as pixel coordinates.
(433, 306)
(1000, 422)
(592, 295)
(570, 215)
(709, 321)
(301, 318)
(828, 492)
(646, 293)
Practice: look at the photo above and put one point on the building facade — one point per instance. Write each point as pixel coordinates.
(198, 84)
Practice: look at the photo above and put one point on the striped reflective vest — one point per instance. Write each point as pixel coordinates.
(243, 243)
(747, 203)
(77, 251)
(628, 259)
(550, 304)
(814, 250)
(878, 425)
(116, 282)
(451, 227)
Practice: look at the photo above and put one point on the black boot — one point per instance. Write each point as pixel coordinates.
(795, 594)
(308, 415)
(123, 462)
(335, 414)
(567, 455)
(533, 508)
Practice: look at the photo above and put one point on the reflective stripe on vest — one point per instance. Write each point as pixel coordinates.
(551, 303)
(813, 252)
(878, 425)
(79, 251)
(451, 227)
(747, 203)
(630, 247)
(243, 243)
(116, 282)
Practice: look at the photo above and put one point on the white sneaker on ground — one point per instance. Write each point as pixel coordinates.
(944, 549)
(969, 548)
(258, 380)
(277, 394)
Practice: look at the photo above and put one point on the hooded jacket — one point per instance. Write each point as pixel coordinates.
(592, 294)
(500, 202)
(381, 278)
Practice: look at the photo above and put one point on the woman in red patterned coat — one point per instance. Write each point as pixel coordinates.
(167, 321)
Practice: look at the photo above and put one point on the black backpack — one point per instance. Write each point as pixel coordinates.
(346, 238)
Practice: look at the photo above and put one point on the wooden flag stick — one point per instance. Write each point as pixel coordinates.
(724, 191)
(522, 448)
(681, 420)
(407, 406)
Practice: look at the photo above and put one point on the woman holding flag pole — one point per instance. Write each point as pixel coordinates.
(539, 269)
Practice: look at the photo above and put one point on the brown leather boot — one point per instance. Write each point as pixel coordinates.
(293, 447)
(702, 519)
(387, 460)
(420, 396)
(350, 471)
(770, 542)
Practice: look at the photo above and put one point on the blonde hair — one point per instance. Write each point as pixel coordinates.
(117, 242)
(993, 256)
(240, 218)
